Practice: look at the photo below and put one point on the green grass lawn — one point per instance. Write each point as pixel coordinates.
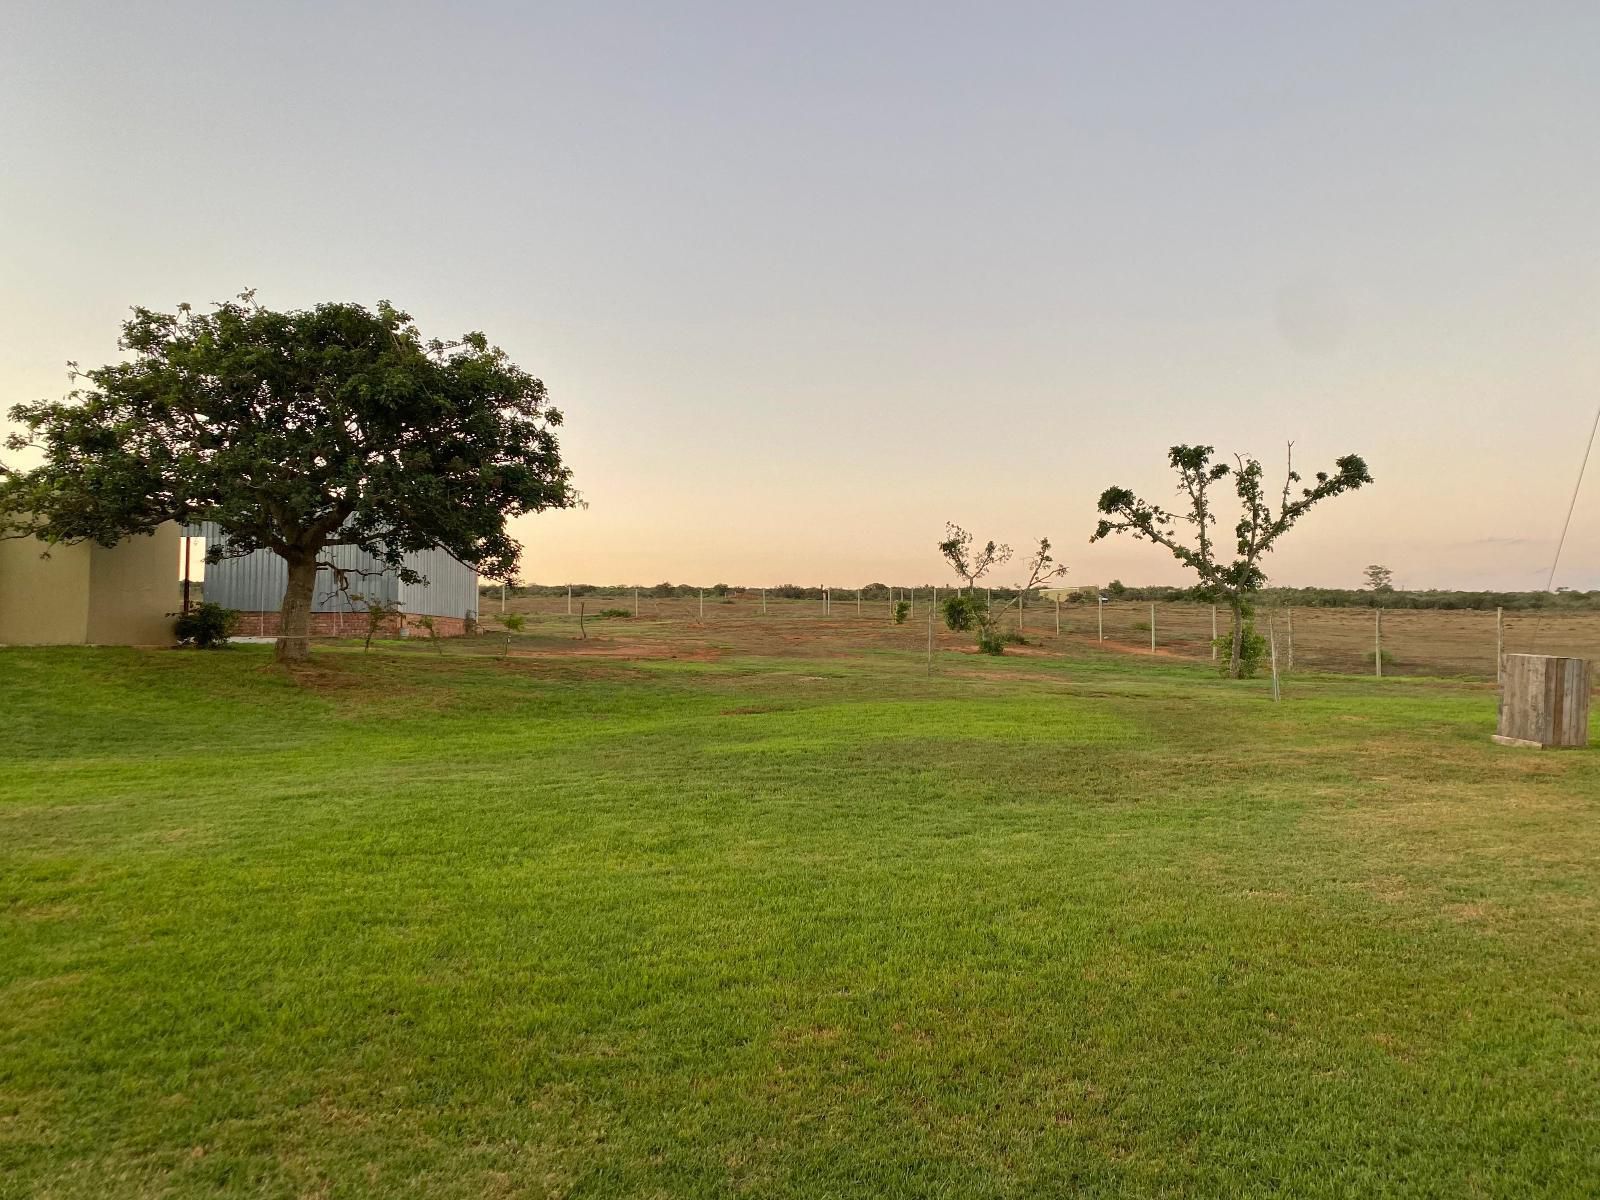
(463, 927)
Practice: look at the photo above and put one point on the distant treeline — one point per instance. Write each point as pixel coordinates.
(1368, 598)
(1115, 590)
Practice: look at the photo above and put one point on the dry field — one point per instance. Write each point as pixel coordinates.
(1333, 640)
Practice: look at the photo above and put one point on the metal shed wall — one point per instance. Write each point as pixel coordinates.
(255, 582)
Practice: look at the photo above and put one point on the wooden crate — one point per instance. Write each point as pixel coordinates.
(1544, 701)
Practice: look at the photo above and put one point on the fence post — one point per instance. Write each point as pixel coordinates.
(1021, 620)
(763, 601)
(1272, 647)
(858, 602)
(636, 602)
(1377, 642)
(1288, 668)
(502, 595)
(702, 604)
(1100, 614)
(1152, 629)
(569, 599)
(1058, 616)
(1499, 645)
(1213, 633)
(930, 639)
(911, 599)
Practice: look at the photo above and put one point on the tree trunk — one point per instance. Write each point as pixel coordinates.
(294, 618)
(1238, 638)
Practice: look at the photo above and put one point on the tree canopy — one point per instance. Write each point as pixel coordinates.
(295, 431)
(1260, 525)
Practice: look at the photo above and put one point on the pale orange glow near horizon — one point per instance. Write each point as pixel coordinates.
(803, 301)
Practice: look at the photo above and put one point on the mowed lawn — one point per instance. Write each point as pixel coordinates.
(465, 927)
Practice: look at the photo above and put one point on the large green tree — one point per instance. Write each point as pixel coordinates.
(1260, 526)
(295, 432)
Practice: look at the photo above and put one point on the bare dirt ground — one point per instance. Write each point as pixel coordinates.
(1414, 642)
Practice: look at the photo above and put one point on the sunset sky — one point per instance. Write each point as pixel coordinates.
(808, 284)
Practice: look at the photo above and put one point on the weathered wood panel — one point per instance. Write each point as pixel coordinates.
(1544, 701)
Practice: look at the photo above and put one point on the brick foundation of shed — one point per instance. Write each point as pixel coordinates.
(343, 624)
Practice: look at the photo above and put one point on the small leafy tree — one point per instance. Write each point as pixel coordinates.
(426, 623)
(206, 626)
(379, 613)
(971, 563)
(1258, 530)
(1379, 578)
(513, 623)
(902, 610)
(295, 432)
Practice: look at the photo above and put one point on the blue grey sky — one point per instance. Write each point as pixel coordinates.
(809, 281)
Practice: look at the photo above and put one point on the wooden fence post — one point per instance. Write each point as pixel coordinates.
(1213, 633)
(1058, 616)
(1499, 645)
(1152, 629)
(1272, 648)
(1289, 666)
(1100, 615)
(1377, 642)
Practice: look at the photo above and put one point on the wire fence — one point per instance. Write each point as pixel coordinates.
(1397, 642)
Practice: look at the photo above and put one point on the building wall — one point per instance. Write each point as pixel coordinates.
(133, 591)
(254, 583)
(87, 593)
(43, 601)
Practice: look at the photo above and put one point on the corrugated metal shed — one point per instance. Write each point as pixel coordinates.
(255, 582)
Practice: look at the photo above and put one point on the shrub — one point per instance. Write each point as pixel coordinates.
(514, 622)
(613, 612)
(1252, 650)
(991, 640)
(206, 626)
(961, 612)
(902, 610)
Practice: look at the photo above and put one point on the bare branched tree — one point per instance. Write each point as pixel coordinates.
(968, 562)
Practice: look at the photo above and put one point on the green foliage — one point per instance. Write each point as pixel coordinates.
(295, 431)
(968, 561)
(991, 640)
(206, 626)
(1258, 530)
(719, 589)
(1379, 578)
(513, 622)
(612, 613)
(1252, 652)
(962, 611)
(902, 610)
